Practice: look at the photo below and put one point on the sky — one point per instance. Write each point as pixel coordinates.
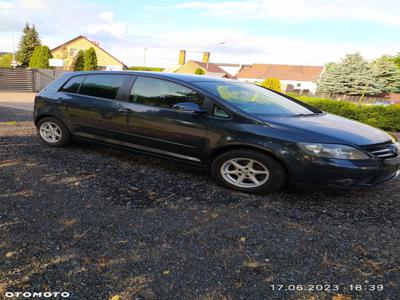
(306, 32)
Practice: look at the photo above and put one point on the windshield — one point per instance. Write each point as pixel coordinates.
(254, 99)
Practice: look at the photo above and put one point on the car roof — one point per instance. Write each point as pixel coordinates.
(162, 75)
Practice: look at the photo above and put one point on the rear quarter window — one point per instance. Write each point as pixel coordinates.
(72, 85)
(104, 86)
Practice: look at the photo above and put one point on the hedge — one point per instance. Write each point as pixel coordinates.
(384, 117)
(153, 69)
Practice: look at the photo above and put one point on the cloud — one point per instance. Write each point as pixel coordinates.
(118, 29)
(385, 11)
(4, 5)
(58, 21)
(240, 47)
(50, 17)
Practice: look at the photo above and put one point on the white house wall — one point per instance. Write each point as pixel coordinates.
(230, 70)
(298, 85)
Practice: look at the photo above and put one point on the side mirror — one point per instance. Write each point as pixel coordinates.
(189, 107)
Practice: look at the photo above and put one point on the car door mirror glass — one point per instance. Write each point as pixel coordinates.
(188, 107)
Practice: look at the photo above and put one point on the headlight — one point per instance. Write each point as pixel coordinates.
(333, 151)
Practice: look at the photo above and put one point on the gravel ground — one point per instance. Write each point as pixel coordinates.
(98, 222)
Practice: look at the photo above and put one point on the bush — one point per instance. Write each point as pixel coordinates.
(272, 83)
(79, 63)
(90, 60)
(154, 69)
(199, 71)
(384, 117)
(5, 60)
(40, 58)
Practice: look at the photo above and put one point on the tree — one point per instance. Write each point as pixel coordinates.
(351, 76)
(40, 57)
(199, 71)
(90, 59)
(44, 57)
(386, 74)
(79, 63)
(272, 83)
(5, 60)
(35, 57)
(396, 60)
(29, 40)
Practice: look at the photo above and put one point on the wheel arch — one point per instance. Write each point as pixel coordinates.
(41, 117)
(214, 154)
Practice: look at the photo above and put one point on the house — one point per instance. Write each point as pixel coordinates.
(70, 49)
(231, 68)
(300, 79)
(394, 98)
(191, 66)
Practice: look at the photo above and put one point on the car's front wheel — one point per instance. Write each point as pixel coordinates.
(53, 132)
(249, 171)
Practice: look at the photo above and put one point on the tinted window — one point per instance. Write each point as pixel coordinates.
(105, 86)
(73, 84)
(162, 93)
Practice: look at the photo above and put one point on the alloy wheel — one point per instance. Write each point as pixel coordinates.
(50, 132)
(244, 172)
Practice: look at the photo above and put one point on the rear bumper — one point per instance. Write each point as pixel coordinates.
(345, 173)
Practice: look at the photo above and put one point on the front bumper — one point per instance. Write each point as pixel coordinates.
(344, 173)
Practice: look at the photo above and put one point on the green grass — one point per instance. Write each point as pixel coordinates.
(384, 117)
(9, 123)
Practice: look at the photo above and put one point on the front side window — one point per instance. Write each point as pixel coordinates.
(253, 99)
(104, 85)
(72, 85)
(162, 93)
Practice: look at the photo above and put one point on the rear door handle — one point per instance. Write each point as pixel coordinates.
(123, 110)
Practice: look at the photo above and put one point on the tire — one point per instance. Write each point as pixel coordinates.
(53, 132)
(264, 175)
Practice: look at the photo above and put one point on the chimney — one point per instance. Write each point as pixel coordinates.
(182, 57)
(206, 57)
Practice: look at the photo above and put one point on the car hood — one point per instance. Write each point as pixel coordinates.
(327, 128)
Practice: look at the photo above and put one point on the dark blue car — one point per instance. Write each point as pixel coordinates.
(252, 139)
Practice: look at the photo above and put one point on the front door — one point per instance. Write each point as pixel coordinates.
(151, 123)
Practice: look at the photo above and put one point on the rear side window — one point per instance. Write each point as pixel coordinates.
(72, 85)
(162, 93)
(104, 86)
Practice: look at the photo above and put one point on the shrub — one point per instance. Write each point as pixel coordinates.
(90, 59)
(40, 57)
(5, 60)
(272, 83)
(79, 63)
(199, 71)
(153, 69)
(384, 117)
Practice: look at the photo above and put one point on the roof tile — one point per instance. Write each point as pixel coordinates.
(282, 72)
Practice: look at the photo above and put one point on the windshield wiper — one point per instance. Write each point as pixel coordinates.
(305, 115)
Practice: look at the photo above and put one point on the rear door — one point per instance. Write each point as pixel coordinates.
(92, 107)
(150, 122)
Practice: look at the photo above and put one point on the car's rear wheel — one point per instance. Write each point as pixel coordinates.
(53, 132)
(249, 171)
